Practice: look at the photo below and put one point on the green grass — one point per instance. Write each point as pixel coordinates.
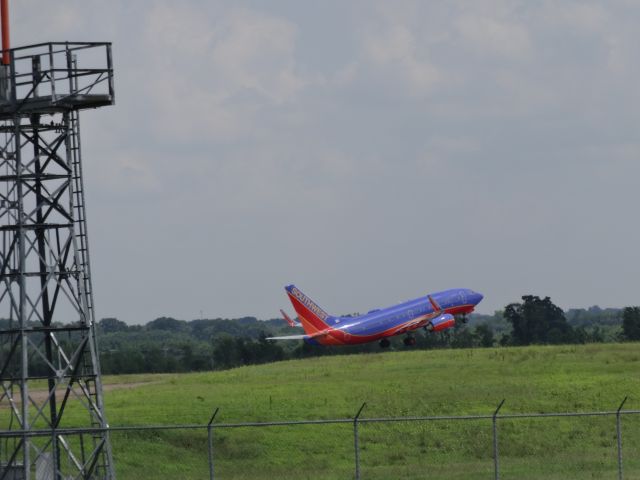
(407, 383)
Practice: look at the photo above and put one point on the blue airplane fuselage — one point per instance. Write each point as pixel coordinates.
(434, 312)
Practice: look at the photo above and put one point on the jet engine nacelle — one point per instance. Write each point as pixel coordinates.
(442, 322)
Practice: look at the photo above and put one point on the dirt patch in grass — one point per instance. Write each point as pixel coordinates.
(39, 395)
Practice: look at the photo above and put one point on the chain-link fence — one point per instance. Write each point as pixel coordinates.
(602, 445)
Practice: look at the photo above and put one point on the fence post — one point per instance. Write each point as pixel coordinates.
(619, 435)
(496, 463)
(356, 443)
(210, 439)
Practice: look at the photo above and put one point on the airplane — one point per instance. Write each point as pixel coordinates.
(433, 312)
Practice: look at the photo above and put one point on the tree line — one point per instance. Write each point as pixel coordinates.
(171, 345)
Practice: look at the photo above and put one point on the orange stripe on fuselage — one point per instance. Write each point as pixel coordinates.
(460, 309)
(338, 337)
(329, 339)
(312, 324)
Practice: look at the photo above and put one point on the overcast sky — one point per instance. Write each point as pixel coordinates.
(367, 151)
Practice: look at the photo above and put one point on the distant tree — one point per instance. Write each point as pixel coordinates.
(155, 359)
(580, 335)
(201, 329)
(631, 323)
(484, 335)
(269, 351)
(187, 357)
(226, 353)
(431, 340)
(111, 325)
(597, 336)
(593, 316)
(537, 320)
(124, 361)
(167, 323)
(461, 337)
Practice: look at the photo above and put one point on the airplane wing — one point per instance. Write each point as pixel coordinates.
(417, 322)
(411, 325)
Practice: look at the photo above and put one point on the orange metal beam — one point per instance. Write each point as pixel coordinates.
(4, 13)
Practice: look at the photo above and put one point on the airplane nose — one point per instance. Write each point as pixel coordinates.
(477, 297)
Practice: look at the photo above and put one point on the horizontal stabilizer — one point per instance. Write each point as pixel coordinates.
(289, 337)
(300, 337)
(288, 319)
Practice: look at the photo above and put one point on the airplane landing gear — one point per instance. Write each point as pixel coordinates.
(384, 343)
(409, 341)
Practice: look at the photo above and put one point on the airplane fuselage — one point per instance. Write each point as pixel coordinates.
(398, 319)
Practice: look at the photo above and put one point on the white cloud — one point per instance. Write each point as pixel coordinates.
(51, 19)
(576, 15)
(255, 51)
(494, 36)
(613, 33)
(211, 75)
(128, 172)
(395, 50)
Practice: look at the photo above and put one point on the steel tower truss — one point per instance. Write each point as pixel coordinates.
(52, 422)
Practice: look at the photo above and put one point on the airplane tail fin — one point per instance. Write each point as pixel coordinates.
(313, 318)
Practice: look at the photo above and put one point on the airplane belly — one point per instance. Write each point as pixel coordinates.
(460, 309)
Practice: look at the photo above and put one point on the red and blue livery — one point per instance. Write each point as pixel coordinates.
(434, 313)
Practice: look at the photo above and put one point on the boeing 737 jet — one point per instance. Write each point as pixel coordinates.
(433, 312)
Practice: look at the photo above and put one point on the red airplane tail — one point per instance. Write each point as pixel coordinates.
(312, 317)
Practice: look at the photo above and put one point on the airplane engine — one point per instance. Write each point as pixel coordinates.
(442, 322)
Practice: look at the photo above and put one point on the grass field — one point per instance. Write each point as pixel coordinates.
(407, 383)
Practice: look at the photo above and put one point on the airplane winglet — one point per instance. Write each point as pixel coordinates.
(434, 304)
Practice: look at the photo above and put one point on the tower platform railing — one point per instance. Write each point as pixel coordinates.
(56, 76)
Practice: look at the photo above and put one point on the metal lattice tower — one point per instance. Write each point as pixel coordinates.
(52, 422)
